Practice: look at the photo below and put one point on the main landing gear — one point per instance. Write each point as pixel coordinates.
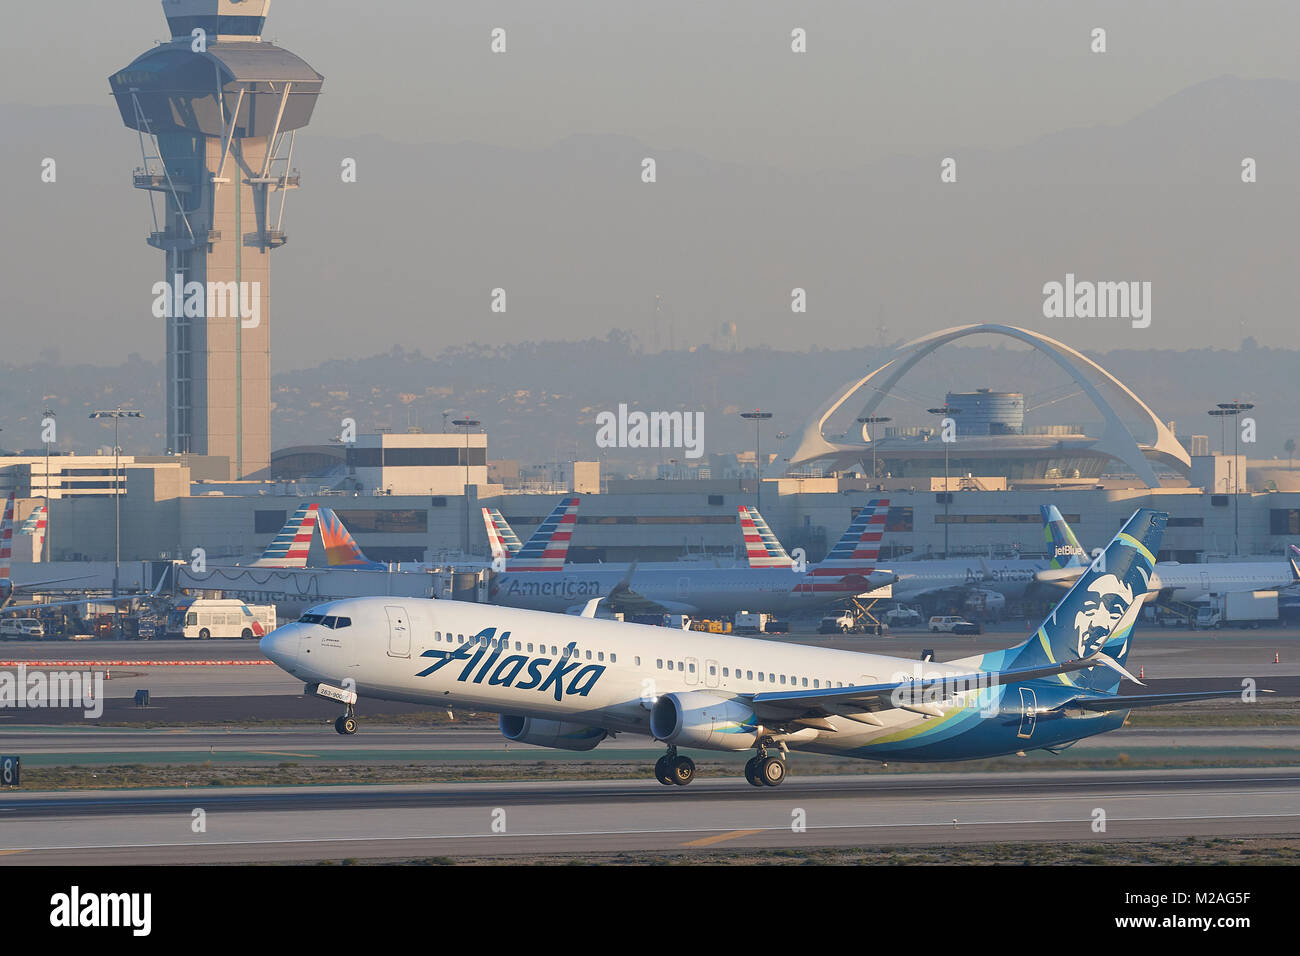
(763, 770)
(671, 769)
(347, 724)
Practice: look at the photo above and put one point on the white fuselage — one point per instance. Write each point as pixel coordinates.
(509, 661)
(1191, 582)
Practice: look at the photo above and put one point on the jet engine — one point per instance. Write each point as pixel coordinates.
(558, 734)
(700, 719)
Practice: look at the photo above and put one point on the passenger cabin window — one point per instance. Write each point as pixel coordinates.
(670, 665)
(659, 664)
(760, 676)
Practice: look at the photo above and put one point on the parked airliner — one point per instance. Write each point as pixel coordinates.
(570, 683)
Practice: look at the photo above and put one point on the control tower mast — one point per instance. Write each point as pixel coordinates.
(217, 109)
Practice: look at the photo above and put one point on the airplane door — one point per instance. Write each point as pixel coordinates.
(692, 671)
(683, 588)
(399, 632)
(1028, 713)
(1205, 580)
(711, 674)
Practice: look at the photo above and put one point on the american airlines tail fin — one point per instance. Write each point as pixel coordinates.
(341, 549)
(1062, 546)
(35, 526)
(7, 538)
(859, 547)
(290, 548)
(549, 544)
(1098, 613)
(762, 549)
(505, 544)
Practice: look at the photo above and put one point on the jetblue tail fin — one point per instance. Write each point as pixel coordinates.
(762, 549)
(290, 548)
(549, 544)
(502, 539)
(1098, 613)
(1062, 545)
(7, 537)
(341, 549)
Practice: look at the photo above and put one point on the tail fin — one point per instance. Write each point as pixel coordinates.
(1062, 545)
(341, 549)
(549, 544)
(762, 549)
(1099, 612)
(35, 525)
(7, 537)
(859, 547)
(289, 548)
(502, 538)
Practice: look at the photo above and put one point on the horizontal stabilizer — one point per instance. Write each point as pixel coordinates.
(1151, 700)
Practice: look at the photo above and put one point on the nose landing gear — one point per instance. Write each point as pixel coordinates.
(670, 769)
(347, 724)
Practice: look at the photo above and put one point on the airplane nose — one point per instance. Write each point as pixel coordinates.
(281, 645)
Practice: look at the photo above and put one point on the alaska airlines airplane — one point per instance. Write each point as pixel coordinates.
(569, 683)
(1193, 582)
(544, 583)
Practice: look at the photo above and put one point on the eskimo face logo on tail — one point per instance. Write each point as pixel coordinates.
(1104, 605)
(504, 671)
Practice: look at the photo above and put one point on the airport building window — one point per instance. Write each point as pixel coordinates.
(268, 522)
(1284, 521)
(377, 521)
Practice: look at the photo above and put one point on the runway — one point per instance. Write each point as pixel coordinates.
(513, 819)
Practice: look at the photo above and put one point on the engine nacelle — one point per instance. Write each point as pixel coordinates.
(697, 718)
(559, 734)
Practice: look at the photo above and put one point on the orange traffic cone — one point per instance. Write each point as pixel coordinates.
(1141, 672)
(1275, 658)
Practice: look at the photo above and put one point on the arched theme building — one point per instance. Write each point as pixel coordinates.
(988, 439)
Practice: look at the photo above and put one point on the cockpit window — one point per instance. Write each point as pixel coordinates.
(311, 619)
(342, 622)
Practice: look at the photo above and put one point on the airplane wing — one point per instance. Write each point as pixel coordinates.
(909, 694)
(1148, 700)
(81, 602)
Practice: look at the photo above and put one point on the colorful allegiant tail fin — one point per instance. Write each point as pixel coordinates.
(859, 547)
(35, 525)
(1099, 612)
(1062, 545)
(7, 538)
(505, 544)
(546, 549)
(762, 549)
(341, 549)
(290, 548)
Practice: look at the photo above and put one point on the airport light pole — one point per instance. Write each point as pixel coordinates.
(467, 424)
(117, 414)
(48, 554)
(1223, 412)
(945, 411)
(758, 416)
(870, 420)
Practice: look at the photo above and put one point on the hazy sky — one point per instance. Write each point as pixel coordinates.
(710, 76)
(489, 186)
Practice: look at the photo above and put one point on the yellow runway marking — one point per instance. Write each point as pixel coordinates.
(11, 852)
(722, 837)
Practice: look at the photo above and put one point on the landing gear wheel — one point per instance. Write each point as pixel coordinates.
(346, 725)
(751, 772)
(771, 771)
(682, 771)
(662, 770)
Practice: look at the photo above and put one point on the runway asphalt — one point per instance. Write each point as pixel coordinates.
(468, 820)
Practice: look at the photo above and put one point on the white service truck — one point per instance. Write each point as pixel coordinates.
(1238, 609)
(751, 622)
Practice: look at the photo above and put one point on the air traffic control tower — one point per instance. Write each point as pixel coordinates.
(217, 109)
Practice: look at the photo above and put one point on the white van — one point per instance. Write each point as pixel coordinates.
(207, 618)
(21, 628)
